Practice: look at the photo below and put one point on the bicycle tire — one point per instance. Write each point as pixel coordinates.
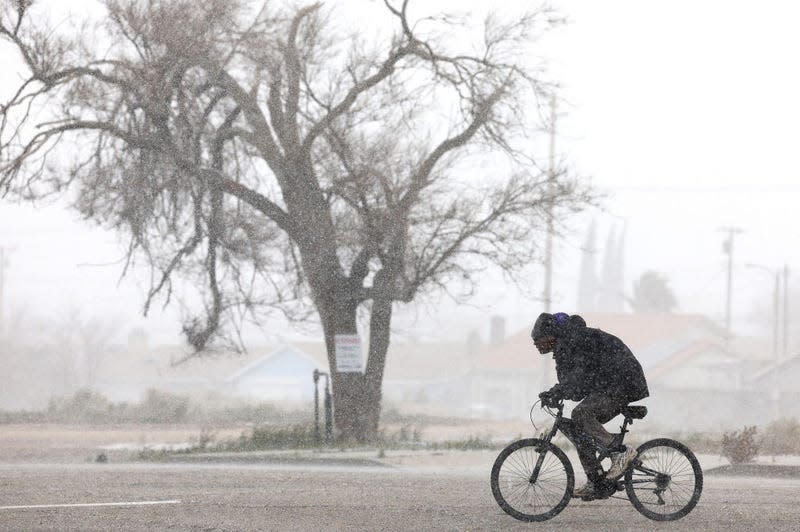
(510, 480)
(683, 485)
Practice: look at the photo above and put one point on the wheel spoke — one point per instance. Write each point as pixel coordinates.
(521, 498)
(674, 490)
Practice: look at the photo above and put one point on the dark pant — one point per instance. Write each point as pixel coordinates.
(585, 430)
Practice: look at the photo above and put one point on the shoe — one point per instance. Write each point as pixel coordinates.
(620, 462)
(586, 491)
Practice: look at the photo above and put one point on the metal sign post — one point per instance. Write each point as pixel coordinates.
(327, 406)
(328, 411)
(316, 406)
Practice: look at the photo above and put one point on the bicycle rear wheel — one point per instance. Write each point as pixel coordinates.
(665, 481)
(512, 484)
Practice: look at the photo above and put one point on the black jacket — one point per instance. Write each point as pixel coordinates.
(590, 360)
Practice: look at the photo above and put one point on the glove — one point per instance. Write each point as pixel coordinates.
(549, 397)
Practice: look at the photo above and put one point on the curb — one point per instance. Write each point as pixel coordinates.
(272, 459)
(756, 470)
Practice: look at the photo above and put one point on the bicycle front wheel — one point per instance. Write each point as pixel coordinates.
(532, 480)
(665, 481)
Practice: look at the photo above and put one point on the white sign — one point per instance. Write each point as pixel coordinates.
(348, 353)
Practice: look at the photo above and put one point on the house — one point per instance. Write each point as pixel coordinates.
(421, 377)
(697, 380)
(779, 388)
(283, 374)
(507, 376)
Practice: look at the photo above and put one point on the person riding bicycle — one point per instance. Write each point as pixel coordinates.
(598, 370)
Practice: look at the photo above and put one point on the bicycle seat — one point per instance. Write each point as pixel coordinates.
(634, 412)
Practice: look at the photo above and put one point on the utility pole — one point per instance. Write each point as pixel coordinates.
(785, 311)
(551, 177)
(727, 247)
(2, 291)
(776, 319)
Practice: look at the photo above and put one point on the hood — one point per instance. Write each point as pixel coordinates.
(558, 325)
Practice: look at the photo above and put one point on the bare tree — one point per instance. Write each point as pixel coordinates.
(78, 346)
(269, 158)
(42, 358)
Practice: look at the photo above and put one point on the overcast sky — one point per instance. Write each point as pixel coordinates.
(686, 113)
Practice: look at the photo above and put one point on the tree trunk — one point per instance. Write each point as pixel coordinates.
(356, 402)
(357, 396)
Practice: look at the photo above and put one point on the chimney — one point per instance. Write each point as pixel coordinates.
(497, 330)
(474, 343)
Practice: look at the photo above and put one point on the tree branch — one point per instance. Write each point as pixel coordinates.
(294, 69)
(422, 175)
(262, 137)
(386, 70)
(262, 204)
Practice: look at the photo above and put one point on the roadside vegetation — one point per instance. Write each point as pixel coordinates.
(157, 407)
(743, 445)
(274, 427)
(304, 436)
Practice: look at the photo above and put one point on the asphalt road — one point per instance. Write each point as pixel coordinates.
(245, 497)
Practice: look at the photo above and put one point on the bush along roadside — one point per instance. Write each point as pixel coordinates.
(304, 437)
(157, 407)
(740, 446)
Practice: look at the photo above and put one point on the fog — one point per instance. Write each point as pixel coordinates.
(683, 117)
(403, 168)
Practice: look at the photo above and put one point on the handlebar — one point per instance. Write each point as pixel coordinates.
(546, 405)
(552, 402)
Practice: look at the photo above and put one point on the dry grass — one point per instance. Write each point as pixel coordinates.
(81, 443)
(72, 443)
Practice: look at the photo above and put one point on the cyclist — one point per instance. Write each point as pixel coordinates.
(598, 370)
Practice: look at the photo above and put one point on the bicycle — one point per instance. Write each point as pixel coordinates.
(532, 479)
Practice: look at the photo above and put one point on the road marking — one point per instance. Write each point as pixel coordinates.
(89, 504)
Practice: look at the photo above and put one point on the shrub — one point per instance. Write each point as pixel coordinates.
(471, 443)
(85, 406)
(781, 437)
(405, 434)
(740, 446)
(267, 437)
(161, 407)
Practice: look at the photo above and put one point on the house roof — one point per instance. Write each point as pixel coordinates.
(683, 356)
(405, 361)
(779, 374)
(655, 339)
(408, 361)
(283, 350)
(659, 341)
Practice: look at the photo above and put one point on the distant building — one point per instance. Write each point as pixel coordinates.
(284, 374)
(778, 383)
(698, 380)
(426, 377)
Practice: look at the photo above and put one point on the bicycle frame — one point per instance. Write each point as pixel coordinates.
(603, 453)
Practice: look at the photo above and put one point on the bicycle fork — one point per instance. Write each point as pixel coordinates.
(542, 452)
